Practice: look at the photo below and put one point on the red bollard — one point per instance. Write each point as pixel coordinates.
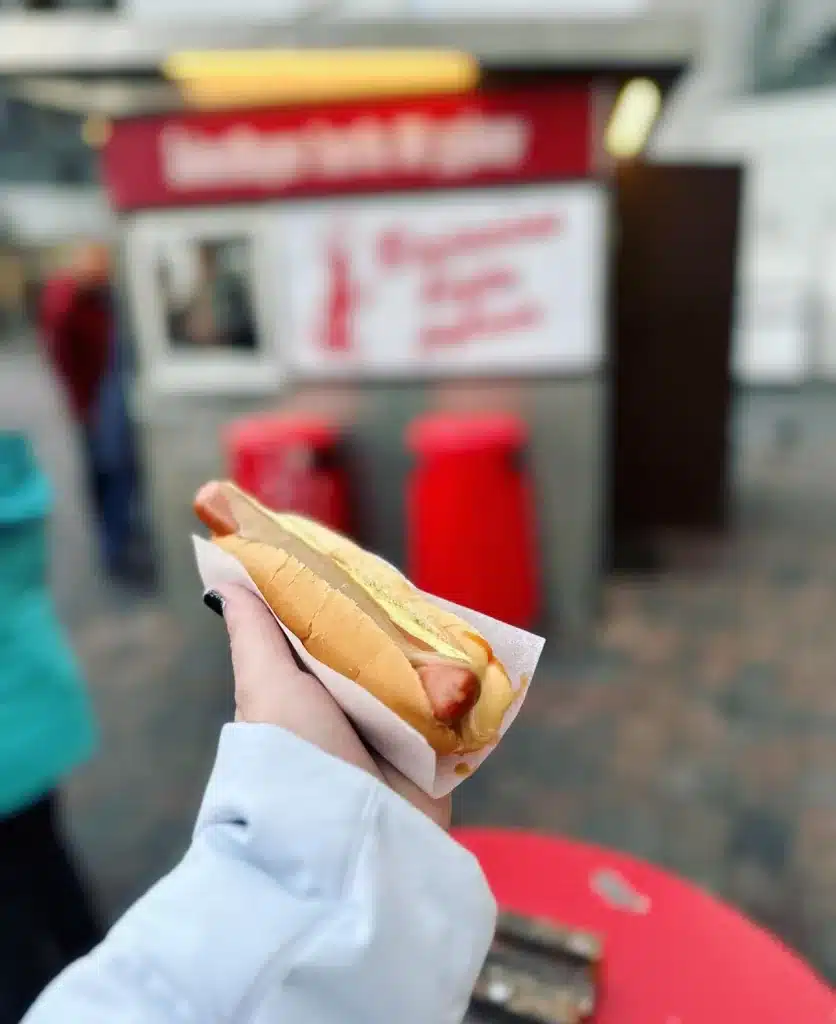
(470, 521)
(291, 464)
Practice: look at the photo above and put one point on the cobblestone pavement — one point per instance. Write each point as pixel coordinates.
(697, 729)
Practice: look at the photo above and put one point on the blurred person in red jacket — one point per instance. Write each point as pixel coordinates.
(79, 330)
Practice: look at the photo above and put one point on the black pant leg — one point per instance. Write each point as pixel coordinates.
(28, 960)
(27, 964)
(62, 898)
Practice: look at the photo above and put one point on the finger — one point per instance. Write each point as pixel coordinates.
(271, 688)
(439, 811)
(256, 641)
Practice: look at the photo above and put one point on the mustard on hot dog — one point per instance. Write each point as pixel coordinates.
(358, 615)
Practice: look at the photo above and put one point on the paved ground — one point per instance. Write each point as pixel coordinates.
(698, 729)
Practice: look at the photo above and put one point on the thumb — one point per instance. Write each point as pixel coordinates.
(271, 688)
(260, 651)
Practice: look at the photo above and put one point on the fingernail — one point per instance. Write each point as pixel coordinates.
(212, 599)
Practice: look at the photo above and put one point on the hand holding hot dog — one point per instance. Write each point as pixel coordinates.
(357, 615)
(271, 689)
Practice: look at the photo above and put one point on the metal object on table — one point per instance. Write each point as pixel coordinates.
(537, 971)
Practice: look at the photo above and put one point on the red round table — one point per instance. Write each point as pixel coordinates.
(672, 953)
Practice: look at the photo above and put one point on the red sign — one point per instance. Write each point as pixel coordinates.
(435, 142)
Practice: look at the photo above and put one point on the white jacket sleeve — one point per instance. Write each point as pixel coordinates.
(311, 894)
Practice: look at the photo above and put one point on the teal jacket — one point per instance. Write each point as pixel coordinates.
(46, 724)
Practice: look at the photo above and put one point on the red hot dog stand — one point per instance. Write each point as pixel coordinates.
(383, 259)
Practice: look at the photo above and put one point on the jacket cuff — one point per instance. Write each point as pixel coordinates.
(269, 792)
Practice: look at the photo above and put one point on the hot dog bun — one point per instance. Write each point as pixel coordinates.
(355, 613)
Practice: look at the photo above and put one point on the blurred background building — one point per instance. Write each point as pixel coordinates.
(759, 90)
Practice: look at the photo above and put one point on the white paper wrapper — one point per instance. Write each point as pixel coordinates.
(383, 730)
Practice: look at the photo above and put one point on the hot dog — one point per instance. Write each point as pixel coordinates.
(355, 613)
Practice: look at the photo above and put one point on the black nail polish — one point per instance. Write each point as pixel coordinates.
(212, 599)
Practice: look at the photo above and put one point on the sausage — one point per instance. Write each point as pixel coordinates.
(452, 690)
(213, 509)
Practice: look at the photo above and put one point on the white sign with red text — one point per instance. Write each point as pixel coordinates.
(491, 281)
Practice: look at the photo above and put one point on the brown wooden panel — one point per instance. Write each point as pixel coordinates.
(676, 245)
